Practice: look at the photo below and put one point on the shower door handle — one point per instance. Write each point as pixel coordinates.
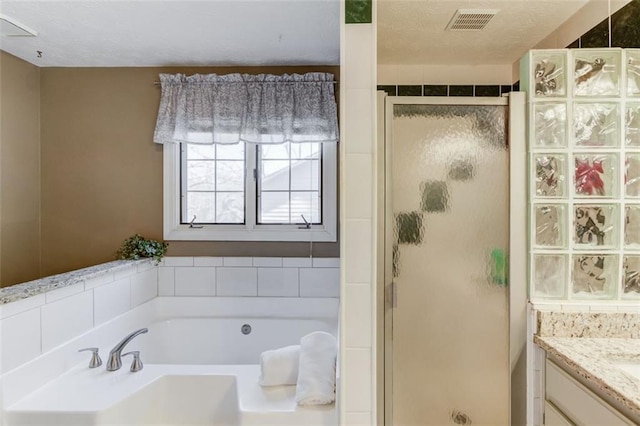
(392, 295)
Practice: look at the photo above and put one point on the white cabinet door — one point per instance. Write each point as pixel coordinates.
(578, 403)
(553, 416)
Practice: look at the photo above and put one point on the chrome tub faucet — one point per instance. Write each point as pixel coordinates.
(115, 355)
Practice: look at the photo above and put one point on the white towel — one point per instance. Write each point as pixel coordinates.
(317, 371)
(279, 366)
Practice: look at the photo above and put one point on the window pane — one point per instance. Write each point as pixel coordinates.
(201, 152)
(274, 207)
(307, 204)
(214, 183)
(230, 175)
(275, 152)
(305, 150)
(202, 205)
(230, 207)
(201, 175)
(230, 152)
(297, 179)
(304, 175)
(274, 175)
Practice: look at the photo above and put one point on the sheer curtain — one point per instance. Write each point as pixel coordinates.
(232, 108)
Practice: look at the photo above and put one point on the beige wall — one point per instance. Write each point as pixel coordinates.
(19, 170)
(393, 74)
(102, 174)
(582, 21)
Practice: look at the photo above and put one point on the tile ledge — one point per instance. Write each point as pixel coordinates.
(28, 289)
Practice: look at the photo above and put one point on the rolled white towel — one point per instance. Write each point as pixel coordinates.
(317, 370)
(279, 366)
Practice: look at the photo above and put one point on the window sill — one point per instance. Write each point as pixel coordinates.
(242, 233)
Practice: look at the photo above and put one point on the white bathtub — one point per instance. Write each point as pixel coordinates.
(199, 367)
(220, 340)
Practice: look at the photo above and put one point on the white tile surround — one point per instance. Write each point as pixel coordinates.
(246, 276)
(358, 218)
(32, 326)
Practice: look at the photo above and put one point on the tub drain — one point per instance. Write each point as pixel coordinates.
(245, 329)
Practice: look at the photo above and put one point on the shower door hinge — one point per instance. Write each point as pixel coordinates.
(392, 295)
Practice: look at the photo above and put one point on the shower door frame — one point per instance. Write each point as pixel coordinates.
(518, 222)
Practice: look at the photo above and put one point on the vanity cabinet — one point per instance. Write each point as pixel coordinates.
(569, 402)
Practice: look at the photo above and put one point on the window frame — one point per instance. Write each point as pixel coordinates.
(174, 230)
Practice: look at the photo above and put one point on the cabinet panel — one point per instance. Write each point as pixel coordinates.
(577, 402)
(554, 417)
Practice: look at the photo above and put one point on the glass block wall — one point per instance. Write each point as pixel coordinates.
(584, 173)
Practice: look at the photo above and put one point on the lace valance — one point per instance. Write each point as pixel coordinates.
(232, 108)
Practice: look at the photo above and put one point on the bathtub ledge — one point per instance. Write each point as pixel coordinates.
(43, 285)
(92, 391)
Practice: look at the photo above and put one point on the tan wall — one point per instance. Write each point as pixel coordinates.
(19, 170)
(582, 21)
(102, 174)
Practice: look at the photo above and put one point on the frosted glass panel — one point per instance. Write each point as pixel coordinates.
(632, 226)
(450, 220)
(632, 125)
(596, 175)
(631, 279)
(595, 226)
(551, 172)
(596, 73)
(632, 175)
(584, 189)
(594, 276)
(596, 124)
(550, 222)
(549, 74)
(550, 276)
(550, 124)
(633, 73)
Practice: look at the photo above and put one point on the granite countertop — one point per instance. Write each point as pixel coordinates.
(53, 282)
(593, 359)
(588, 344)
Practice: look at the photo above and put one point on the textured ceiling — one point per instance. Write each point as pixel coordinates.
(413, 32)
(91, 33)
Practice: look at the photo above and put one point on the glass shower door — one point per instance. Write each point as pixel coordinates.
(448, 232)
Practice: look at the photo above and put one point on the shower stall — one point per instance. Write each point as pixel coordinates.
(449, 356)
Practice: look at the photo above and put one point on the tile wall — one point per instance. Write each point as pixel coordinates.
(449, 89)
(249, 276)
(33, 326)
(357, 397)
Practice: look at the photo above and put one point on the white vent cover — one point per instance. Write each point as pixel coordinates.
(10, 28)
(471, 19)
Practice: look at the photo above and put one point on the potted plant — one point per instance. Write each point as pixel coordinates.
(137, 247)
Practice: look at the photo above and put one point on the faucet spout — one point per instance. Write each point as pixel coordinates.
(115, 355)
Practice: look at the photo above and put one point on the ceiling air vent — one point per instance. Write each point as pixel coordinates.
(471, 19)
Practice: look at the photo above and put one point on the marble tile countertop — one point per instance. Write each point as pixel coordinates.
(589, 345)
(53, 282)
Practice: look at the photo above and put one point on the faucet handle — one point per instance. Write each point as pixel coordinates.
(136, 364)
(95, 358)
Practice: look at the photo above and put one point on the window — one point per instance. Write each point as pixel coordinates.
(249, 192)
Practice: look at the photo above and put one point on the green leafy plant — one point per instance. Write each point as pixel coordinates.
(137, 247)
